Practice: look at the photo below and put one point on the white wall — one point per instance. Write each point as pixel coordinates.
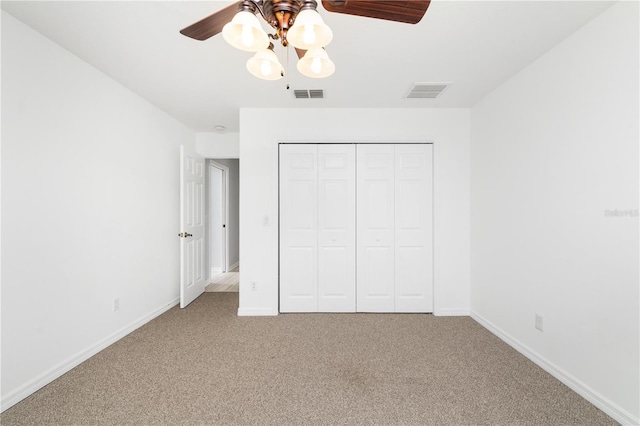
(552, 150)
(218, 145)
(89, 210)
(447, 128)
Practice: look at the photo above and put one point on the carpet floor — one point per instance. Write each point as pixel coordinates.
(204, 365)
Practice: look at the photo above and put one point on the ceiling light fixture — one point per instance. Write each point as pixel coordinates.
(265, 64)
(316, 64)
(297, 22)
(245, 33)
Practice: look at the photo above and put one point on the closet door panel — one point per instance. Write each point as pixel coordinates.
(413, 228)
(298, 228)
(336, 228)
(375, 228)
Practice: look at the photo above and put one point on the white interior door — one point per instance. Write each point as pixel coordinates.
(375, 228)
(216, 249)
(298, 228)
(225, 220)
(192, 227)
(413, 228)
(336, 228)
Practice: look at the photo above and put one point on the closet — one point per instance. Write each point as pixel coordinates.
(356, 228)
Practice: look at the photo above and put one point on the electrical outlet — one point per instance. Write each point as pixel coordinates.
(539, 321)
(116, 304)
(254, 286)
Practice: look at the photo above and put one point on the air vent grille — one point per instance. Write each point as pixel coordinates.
(309, 94)
(426, 90)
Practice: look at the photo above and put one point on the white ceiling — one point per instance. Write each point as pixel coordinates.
(475, 45)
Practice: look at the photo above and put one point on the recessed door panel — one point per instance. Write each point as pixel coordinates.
(378, 273)
(378, 210)
(411, 272)
(302, 204)
(302, 260)
(411, 215)
(334, 203)
(333, 269)
(190, 271)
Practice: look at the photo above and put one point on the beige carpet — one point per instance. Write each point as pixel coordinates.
(203, 365)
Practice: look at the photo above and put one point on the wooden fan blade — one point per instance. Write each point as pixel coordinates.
(212, 24)
(407, 11)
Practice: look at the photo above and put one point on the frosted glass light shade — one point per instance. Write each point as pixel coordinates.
(309, 31)
(265, 65)
(316, 64)
(245, 33)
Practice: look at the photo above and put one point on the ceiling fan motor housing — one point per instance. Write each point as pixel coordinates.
(281, 14)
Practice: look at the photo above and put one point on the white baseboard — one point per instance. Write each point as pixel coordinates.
(50, 375)
(234, 266)
(451, 312)
(256, 312)
(609, 407)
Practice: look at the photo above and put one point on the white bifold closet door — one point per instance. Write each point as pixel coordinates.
(317, 228)
(394, 228)
(356, 228)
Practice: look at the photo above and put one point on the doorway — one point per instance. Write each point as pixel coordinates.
(218, 212)
(223, 224)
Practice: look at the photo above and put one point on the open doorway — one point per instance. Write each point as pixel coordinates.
(223, 224)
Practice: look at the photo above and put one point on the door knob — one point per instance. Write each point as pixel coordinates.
(185, 235)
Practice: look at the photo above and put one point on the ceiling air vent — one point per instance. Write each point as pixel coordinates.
(309, 94)
(426, 90)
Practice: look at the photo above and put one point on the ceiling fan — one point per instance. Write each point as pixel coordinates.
(296, 22)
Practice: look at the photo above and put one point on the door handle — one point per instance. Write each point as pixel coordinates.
(185, 235)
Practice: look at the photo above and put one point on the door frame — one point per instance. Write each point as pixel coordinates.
(225, 215)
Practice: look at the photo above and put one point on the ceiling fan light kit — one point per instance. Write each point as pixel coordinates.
(296, 22)
(309, 31)
(245, 33)
(265, 65)
(316, 64)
